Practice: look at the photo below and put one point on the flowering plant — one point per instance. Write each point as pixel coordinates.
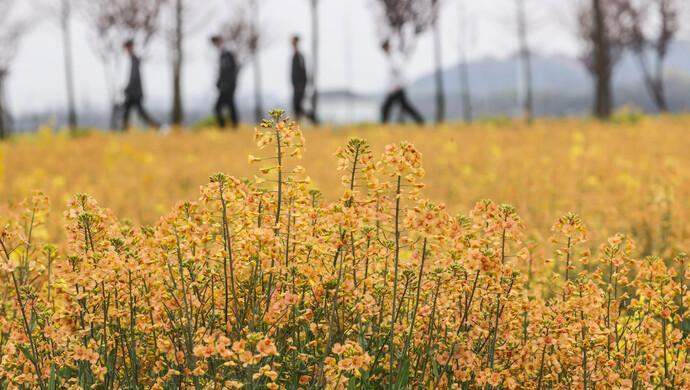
(261, 283)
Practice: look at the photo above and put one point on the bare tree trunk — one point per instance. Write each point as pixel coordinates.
(114, 112)
(177, 113)
(438, 76)
(4, 126)
(258, 103)
(660, 86)
(654, 83)
(110, 65)
(602, 63)
(315, 55)
(465, 92)
(349, 64)
(526, 57)
(65, 18)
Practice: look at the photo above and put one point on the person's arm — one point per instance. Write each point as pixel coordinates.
(223, 62)
(300, 71)
(223, 71)
(131, 81)
(234, 68)
(303, 67)
(294, 70)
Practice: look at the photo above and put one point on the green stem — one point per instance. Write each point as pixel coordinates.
(391, 343)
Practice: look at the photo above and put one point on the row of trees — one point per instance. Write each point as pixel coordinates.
(115, 20)
(10, 33)
(111, 22)
(644, 27)
(607, 28)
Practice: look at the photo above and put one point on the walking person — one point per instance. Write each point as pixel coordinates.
(226, 84)
(396, 93)
(299, 82)
(134, 91)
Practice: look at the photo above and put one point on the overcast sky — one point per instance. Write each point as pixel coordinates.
(350, 55)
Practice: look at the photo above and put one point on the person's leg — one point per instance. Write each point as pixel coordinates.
(391, 98)
(127, 107)
(407, 106)
(234, 113)
(312, 117)
(297, 99)
(145, 115)
(311, 114)
(218, 108)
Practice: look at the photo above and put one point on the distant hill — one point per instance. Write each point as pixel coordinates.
(562, 86)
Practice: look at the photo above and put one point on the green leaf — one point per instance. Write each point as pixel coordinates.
(26, 353)
(403, 375)
(32, 323)
(52, 382)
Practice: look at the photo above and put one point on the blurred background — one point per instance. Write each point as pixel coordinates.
(61, 61)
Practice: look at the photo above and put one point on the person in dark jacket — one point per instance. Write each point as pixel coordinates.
(134, 91)
(226, 84)
(299, 82)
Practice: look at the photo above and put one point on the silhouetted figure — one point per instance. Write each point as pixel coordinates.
(134, 92)
(226, 84)
(396, 92)
(299, 82)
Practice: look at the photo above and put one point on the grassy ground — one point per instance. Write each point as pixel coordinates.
(630, 176)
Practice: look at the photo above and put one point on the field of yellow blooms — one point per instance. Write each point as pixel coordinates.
(353, 259)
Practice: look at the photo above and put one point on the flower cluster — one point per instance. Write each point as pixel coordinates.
(260, 283)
